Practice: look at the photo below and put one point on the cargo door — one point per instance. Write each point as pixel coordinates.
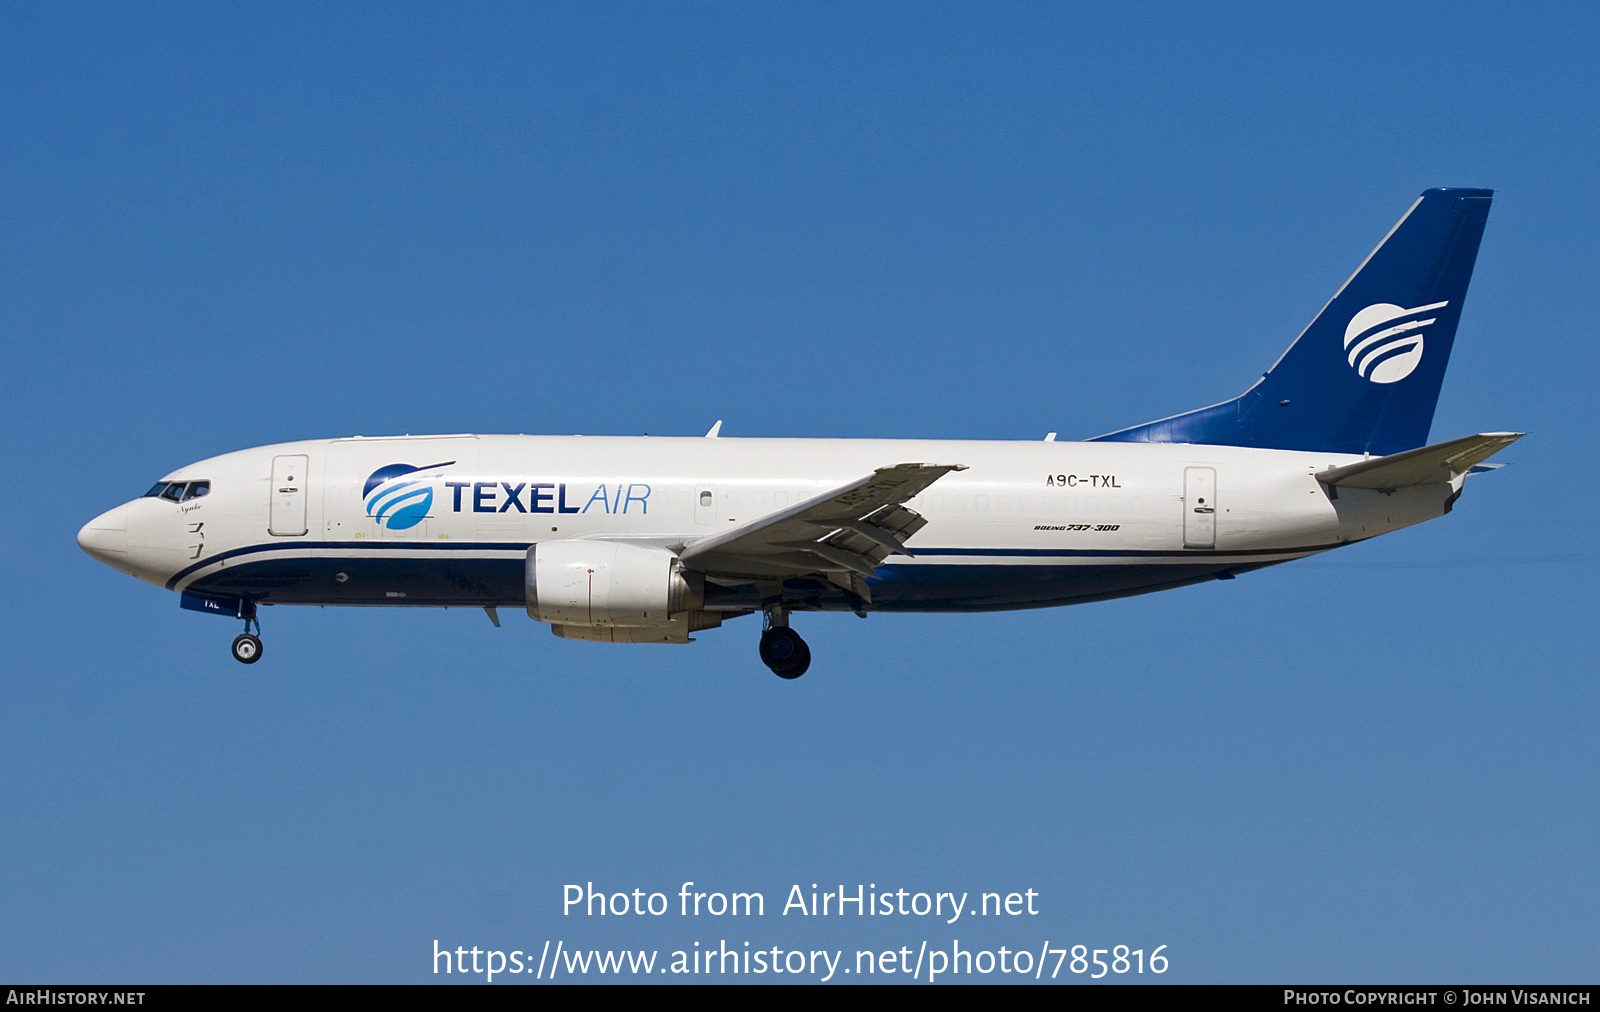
(1199, 507)
(288, 512)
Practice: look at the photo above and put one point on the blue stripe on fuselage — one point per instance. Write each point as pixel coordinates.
(476, 580)
(378, 545)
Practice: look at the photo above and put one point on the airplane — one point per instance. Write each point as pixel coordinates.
(650, 540)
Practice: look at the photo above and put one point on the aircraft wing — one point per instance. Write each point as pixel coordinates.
(1426, 465)
(841, 536)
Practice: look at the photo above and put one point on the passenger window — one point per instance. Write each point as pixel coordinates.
(196, 490)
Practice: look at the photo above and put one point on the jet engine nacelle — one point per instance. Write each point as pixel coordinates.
(604, 584)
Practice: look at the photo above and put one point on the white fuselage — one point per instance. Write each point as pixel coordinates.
(1027, 524)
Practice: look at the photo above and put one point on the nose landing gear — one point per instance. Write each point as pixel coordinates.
(782, 649)
(246, 647)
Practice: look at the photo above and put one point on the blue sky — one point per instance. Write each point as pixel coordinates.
(235, 227)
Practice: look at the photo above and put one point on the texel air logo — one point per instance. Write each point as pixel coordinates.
(1384, 342)
(399, 496)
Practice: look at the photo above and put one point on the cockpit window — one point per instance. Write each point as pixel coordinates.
(178, 491)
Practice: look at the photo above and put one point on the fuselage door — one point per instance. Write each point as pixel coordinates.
(1199, 507)
(288, 512)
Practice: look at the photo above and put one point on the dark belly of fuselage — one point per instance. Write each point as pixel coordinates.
(478, 582)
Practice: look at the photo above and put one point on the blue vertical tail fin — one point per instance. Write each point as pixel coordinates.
(1364, 375)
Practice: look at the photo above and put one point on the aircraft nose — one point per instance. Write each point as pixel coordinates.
(105, 538)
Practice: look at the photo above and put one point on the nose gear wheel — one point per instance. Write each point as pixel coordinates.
(246, 648)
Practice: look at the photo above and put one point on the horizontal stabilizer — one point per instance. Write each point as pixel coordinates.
(1426, 465)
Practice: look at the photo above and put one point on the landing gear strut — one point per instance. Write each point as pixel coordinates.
(246, 647)
(782, 649)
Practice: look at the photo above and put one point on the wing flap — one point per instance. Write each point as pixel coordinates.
(1439, 463)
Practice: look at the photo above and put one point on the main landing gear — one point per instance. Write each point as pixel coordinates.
(782, 649)
(246, 647)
